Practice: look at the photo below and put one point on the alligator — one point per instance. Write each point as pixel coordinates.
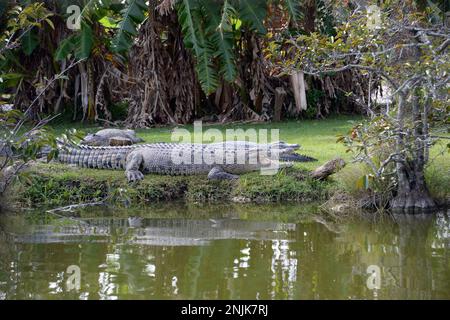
(105, 137)
(217, 161)
(119, 137)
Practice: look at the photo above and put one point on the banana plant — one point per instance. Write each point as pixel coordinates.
(133, 14)
(210, 29)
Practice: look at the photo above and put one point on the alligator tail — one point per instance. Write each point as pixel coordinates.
(94, 157)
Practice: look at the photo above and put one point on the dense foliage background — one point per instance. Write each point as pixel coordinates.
(166, 61)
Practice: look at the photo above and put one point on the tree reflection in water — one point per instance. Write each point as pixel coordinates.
(226, 255)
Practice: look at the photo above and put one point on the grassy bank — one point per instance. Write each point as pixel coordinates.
(56, 184)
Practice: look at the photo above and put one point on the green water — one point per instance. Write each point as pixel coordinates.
(220, 252)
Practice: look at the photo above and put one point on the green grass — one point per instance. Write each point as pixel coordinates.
(437, 172)
(58, 184)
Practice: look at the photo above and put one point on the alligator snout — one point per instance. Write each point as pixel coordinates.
(281, 145)
(93, 140)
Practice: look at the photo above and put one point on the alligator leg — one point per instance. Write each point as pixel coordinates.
(217, 173)
(134, 163)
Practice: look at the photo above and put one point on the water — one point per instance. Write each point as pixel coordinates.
(220, 252)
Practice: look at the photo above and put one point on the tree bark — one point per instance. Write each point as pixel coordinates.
(279, 99)
(412, 193)
(413, 196)
(299, 89)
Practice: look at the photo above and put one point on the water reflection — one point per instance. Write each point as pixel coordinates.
(238, 253)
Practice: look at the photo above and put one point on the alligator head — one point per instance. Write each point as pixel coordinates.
(95, 140)
(284, 146)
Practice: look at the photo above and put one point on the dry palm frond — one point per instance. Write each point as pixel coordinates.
(166, 7)
(165, 85)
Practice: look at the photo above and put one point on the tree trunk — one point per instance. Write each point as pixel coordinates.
(412, 193)
(278, 107)
(299, 89)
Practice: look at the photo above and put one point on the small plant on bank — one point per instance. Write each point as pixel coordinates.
(20, 146)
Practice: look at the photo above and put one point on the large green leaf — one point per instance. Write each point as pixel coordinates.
(228, 13)
(79, 44)
(132, 16)
(192, 16)
(253, 13)
(30, 41)
(294, 8)
(186, 19)
(219, 30)
(85, 41)
(207, 73)
(66, 47)
(224, 43)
